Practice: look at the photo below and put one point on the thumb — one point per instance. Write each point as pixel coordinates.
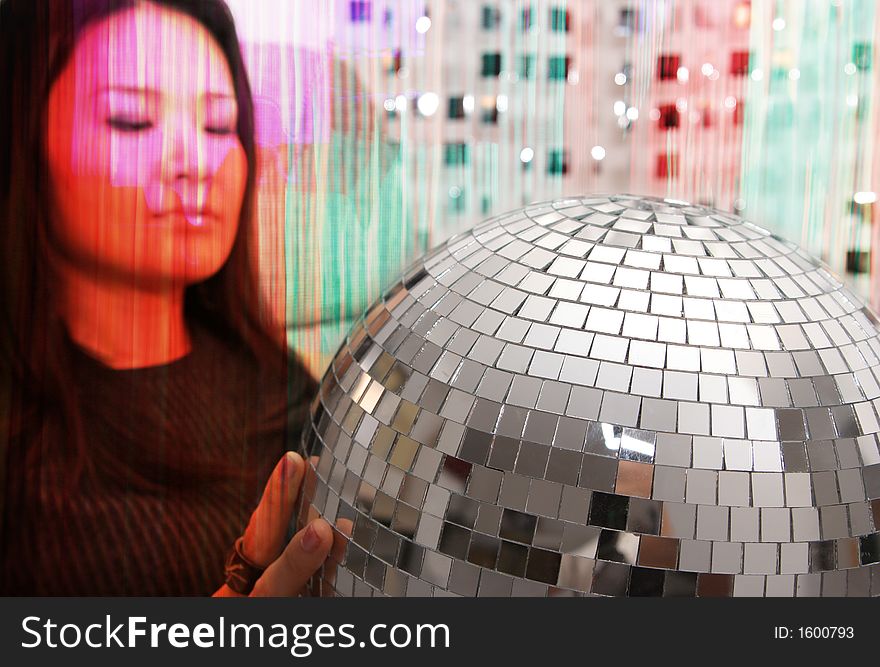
(302, 557)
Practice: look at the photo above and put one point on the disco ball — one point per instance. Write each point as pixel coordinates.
(609, 395)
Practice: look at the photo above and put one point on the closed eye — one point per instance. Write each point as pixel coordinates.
(219, 130)
(125, 125)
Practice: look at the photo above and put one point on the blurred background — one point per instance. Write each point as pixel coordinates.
(386, 126)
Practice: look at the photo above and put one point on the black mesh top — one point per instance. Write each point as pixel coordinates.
(178, 456)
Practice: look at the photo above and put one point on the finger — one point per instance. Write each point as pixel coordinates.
(341, 539)
(225, 592)
(305, 512)
(310, 480)
(266, 531)
(297, 563)
(326, 584)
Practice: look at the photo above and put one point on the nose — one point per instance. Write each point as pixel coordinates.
(182, 157)
(183, 160)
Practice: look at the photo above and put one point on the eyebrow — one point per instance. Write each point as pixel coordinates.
(152, 92)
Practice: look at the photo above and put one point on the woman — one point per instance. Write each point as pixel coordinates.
(144, 403)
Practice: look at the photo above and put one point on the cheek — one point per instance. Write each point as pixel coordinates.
(89, 205)
(94, 218)
(77, 174)
(226, 191)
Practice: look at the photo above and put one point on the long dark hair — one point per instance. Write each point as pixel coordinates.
(37, 38)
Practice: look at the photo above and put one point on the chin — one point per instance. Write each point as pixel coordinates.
(199, 262)
(185, 272)
(199, 272)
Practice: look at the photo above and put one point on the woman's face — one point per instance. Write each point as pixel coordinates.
(147, 170)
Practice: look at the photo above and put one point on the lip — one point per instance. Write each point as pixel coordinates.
(194, 217)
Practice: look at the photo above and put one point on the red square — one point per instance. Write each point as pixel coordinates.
(668, 117)
(666, 165)
(667, 66)
(739, 63)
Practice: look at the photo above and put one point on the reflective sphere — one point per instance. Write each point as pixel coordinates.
(609, 395)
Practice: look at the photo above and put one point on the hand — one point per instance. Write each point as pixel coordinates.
(288, 568)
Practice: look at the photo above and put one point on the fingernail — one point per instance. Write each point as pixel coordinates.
(310, 539)
(289, 465)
